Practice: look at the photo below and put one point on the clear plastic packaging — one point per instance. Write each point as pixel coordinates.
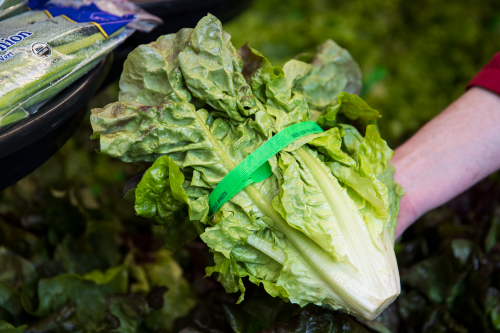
(40, 55)
(10, 8)
(143, 20)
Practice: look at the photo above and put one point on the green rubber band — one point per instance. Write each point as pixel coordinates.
(255, 168)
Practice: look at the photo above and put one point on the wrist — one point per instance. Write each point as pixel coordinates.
(408, 210)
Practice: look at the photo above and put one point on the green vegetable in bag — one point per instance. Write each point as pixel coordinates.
(39, 60)
(9, 8)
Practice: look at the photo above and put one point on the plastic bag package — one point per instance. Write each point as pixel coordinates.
(43, 51)
(143, 20)
(10, 8)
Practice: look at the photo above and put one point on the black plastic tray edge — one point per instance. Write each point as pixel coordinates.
(25, 160)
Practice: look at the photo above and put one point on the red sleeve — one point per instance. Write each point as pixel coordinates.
(489, 76)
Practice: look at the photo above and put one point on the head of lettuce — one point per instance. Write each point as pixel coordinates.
(321, 228)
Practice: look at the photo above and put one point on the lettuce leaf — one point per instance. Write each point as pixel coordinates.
(332, 71)
(98, 300)
(8, 328)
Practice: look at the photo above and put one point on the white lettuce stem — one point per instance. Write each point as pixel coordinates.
(352, 294)
(351, 223)
(267, 248)
(393, 263)
(363, 252)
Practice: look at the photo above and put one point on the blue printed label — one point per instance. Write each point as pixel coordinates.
(88, 13)
(6, 43)
(6, 56)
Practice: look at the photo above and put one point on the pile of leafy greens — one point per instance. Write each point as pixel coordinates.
(73, 258)
(402, 47)
(68, 219)
(320, 230)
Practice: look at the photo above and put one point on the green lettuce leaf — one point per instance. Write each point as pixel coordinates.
(349, 105)
(332, 71)
(257, 70)
(151, 72)
(159, 195)
(84, 297)
(88, 292)
(212, 68)
(250, 213)
(5, 327)
(178, 300)
(14, 272)
(96, 249)
(395, 192)
(441, 282)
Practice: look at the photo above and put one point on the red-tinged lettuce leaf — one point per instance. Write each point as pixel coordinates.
(210, 66)
(15, 274)
(387, 322)
(435, 278)
(410, 305)
(438, 319)
(196, 327)
(127, 310)
(449, 283)
(257, 70)
(124, 313)
(22, 242)
(318, 321)
(257, 314)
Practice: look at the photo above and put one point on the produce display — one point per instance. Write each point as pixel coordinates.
(68, 219)
(74, 256)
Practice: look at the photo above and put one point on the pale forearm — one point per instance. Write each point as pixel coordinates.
(449, 154)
